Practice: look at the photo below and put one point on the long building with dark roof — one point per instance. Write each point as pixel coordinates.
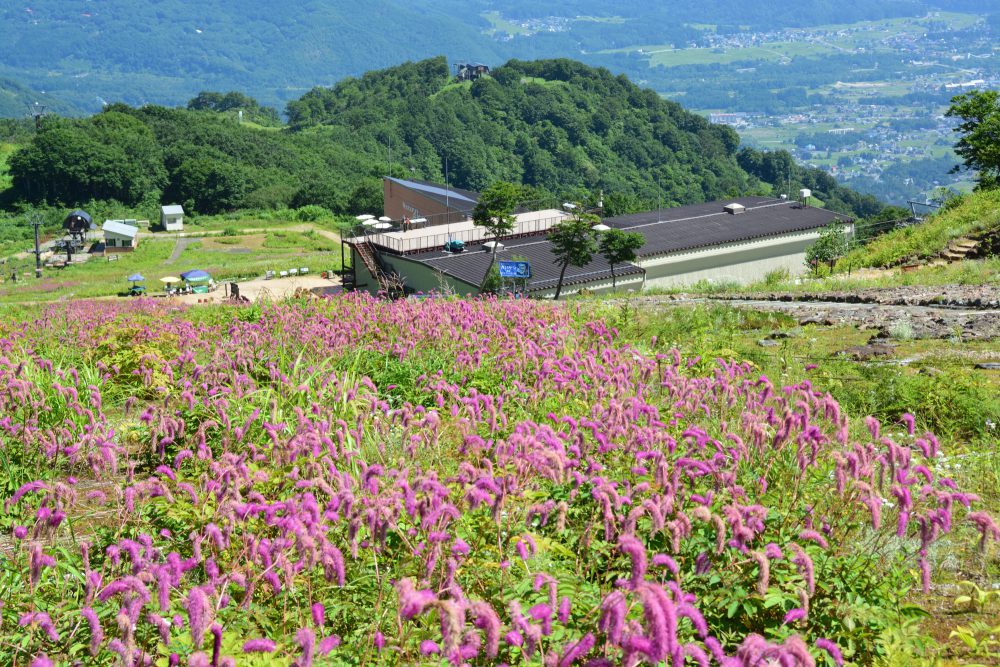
(739, 240)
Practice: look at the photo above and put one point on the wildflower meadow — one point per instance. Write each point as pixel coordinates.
(360, 482)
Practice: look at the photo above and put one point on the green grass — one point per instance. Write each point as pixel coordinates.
(303, 241)
(976, 212)
(234, 260)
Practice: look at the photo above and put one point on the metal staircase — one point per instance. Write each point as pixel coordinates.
(369, 257)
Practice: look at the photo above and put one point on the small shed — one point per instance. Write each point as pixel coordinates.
(172, 217)
(119, 237)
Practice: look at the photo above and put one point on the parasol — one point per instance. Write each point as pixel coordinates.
(195, 276)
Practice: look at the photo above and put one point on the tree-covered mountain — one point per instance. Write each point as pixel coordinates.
(88, 53)
(19, 101)
(560, 127)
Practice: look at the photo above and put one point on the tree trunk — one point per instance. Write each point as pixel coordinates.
(562, 272)
(614, 282)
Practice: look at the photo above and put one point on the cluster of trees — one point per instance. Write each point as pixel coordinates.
(979, 145)
(243, 105)
(559, 127)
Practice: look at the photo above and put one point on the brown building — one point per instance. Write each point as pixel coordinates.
(437, 204)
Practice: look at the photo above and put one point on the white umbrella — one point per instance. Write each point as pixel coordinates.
(382, 225)
(418, 221)
(490, 244)
(370, 222)
(363, 218)
(600, 227)
(385, 218)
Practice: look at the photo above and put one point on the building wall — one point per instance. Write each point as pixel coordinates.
(402, 202)
(418, 277)
(172, 223)
(422, 278)
(742, 262)
(118, 239)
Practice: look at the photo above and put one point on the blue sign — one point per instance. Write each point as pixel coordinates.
(515, 270)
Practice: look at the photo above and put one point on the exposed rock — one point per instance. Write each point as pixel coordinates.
(867, 352)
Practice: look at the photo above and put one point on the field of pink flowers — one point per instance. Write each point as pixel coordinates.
(443, 482)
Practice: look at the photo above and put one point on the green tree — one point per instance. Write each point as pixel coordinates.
(617, 246)
(828, 248)
(367, 197)
(494, 212)
(979, 146)
(573, 242)
(210, 185)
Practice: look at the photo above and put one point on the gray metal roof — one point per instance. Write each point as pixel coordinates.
(471, 266)
(119, 227)
(172, 209)
(455, 198)
(700, 225)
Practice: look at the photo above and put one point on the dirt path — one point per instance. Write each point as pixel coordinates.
(181, 245)
(265, 290)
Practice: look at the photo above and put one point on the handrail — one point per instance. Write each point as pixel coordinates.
(405, 245)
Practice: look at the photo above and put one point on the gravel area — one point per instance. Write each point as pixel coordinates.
(965, 312)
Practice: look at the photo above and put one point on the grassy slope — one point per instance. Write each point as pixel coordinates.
(225, 257)
(977, 212)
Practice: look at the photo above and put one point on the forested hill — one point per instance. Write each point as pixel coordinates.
(86, 53)
(562, 128)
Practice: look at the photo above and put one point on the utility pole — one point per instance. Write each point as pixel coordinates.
(36, 222)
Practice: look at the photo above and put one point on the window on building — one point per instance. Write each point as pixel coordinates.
(110, 243)
(126, 243)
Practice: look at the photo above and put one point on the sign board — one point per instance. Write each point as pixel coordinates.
(517, 270)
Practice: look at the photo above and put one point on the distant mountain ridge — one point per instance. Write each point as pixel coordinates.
(85, 53)
(565, 130)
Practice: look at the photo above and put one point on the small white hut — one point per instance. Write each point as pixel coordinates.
(172, 217)
(119, 236)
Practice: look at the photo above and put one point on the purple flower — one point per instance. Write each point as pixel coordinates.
(794, 615)
(428, 647)
(327, 644)
(634, 549)
(577, 651)
(832, 649)
(96, 632)
(306, 640)
(259, 646)
(317, 614)
(198, 610)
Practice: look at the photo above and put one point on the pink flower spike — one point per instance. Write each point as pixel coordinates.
(832, 649)
(259, 646)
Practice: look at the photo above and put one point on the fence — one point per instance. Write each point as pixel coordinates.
(403, 245)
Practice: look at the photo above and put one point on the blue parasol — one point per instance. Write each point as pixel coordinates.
(195, 275)
(135, 277)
